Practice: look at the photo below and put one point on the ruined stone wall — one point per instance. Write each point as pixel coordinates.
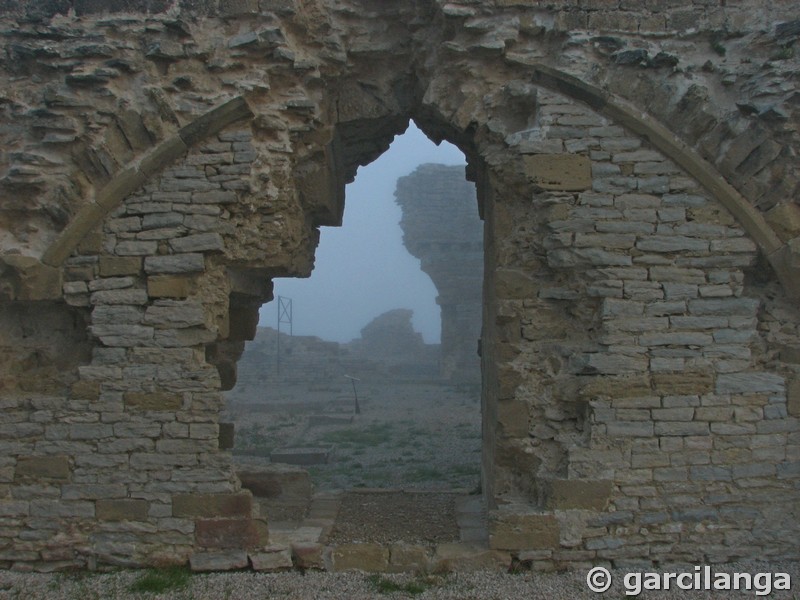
(441, 228)
(636, 169)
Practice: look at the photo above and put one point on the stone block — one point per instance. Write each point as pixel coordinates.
(54, 468)
(564, 494)
(408, 558)
(750, 383)
(308, 555)
(218, 561)
(373, 558)
(532, 531)
(469, 557)
(113, 266)
(514, 417)
(85, 390)
(156, 400)
(198, 242)
(285, 482)
(239, 504)
(169, 286)
(567, 172)
(174, 314)
(271, 559)
(684, 383)
(231, 533)
(125, 509)
(175, 263)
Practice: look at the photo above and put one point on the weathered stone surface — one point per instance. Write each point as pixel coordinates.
(361, 557)
(271, 559)
(568, 172)
(565, 494)
(127, 509)
(54, 468)
(218, 561)
(510, 531)
(157, 400)
(177, 263)
(231, 533)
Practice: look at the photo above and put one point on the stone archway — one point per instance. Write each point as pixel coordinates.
(639, 364)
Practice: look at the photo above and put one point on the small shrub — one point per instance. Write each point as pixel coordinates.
(158, 581)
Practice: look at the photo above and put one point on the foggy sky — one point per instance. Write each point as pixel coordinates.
(362, 269)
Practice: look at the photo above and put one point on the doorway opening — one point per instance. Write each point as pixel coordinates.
(370, 382)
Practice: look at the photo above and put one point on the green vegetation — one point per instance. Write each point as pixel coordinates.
(158, 581)
(384, 585)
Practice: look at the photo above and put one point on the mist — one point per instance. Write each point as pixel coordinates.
(362, 269)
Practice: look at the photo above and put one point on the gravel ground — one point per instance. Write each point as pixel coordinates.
(358, 586)
(385, 518)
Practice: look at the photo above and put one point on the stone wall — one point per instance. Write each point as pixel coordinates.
(441, 228)
(636, 170)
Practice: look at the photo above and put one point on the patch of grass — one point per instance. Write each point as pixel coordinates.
(158, 581)
(384, 585)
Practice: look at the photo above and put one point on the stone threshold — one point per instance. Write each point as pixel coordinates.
(304, 545)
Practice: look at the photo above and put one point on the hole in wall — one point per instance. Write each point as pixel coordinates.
(366, 375)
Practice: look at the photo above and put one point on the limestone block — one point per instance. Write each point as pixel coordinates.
(464, 556)
(676, 384)
(272, 558)
(168, 286)
(408, 557)
(567, 172)
(308, 555)
(750, 383)
(238, 504)
(564, 494)
(156, 400)
(521, 531)
(175, 263)
(198, 243)
(110, 266)
(125, 509)
(231, 533)
(363, 557)
(54, 468)
(174, 314)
